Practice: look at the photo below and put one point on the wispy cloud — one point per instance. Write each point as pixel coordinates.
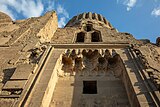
(28, 8)
(64, 15)
(32, 8)
(61, 22)
(156, 12)
(156, 0)
(61, 10)
(130, 4)
(5, 9)
(49, 5)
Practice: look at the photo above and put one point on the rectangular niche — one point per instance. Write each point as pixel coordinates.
(89, 87)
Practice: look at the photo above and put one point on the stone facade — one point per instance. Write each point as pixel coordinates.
(88, 63)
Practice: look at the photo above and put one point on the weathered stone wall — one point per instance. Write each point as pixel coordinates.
(65, 35)
(47, 32)
(21, 44)
(69, 35)
(40, 28)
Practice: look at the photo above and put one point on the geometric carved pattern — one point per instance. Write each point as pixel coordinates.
(88, 61)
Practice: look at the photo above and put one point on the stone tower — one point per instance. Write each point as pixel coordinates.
(88, 63)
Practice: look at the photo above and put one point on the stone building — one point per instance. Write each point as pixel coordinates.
(88, 63)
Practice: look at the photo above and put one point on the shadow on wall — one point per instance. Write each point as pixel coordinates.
(85, 92)
(140, 87)
(7, 74)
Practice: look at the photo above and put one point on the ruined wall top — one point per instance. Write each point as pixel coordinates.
(89, 18)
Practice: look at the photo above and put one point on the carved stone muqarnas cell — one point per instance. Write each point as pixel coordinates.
(88, 62)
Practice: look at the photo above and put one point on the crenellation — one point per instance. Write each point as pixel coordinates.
(101, 17)
(93, 16)
(80, 16)
(96, 16)
(84, 15)
(90, 15)
(105, 21)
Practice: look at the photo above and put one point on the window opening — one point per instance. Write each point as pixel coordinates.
(95, 37)
(80, 37)
(89, 87)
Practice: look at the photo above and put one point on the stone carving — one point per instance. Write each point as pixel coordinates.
(114, 52)
(73, 54)
(113, 60)
(88, 62)
(102, 64)
(107, 54)
(36, 54)
(115, 64)
(78, 64)
(67, 64)
(67, 52)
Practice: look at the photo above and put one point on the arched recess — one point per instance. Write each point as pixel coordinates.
(87, 15)
(94, 16)
(99, 17)
(80, 37)
(80, 16)
(96, 37)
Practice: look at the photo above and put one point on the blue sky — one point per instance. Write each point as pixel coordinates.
(138, 17)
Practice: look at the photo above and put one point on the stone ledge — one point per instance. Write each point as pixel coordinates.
(90, 45)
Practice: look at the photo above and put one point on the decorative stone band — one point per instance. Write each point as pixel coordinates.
(91, 45)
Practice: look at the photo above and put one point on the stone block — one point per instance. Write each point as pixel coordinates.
(149, 70)
(28, 47)
(15, 85)
(35, 104)
(144, 98)
(52, 60)
(22, 72)
(44, 79)
(41, 87)
(50, 66)
(109, 83)
(38, 96)
(146, 104)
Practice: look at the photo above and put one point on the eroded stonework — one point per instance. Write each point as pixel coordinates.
(88, 63)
